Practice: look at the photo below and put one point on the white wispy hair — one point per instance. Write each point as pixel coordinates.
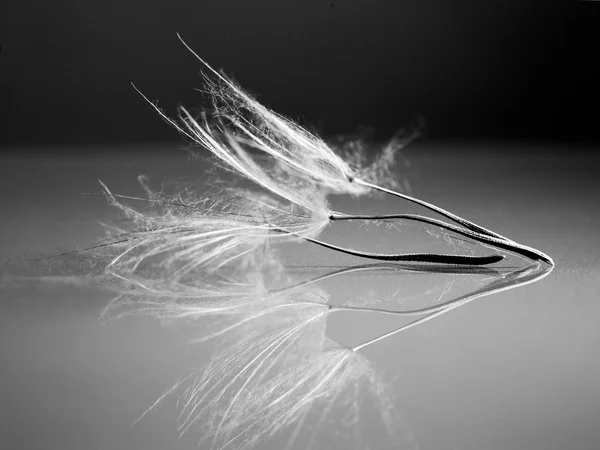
(187, 235)
(271, 150)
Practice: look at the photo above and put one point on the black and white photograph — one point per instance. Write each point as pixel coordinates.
(300, 225)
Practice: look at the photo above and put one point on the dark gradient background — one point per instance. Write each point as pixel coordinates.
(494, 69)
(506, 94)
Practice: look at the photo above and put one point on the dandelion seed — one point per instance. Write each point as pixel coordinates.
(239, 126)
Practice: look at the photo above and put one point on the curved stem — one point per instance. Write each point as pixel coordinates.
(464, 222)
(502, 242)
(414, 257)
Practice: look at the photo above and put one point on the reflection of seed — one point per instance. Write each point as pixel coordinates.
(277, 364)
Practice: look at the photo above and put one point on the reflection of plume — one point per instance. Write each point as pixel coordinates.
(275, 368)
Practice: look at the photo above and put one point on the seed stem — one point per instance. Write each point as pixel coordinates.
(464, 222)
(490, 239)
(414, 257)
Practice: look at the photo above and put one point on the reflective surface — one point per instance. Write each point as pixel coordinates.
(516, 369)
